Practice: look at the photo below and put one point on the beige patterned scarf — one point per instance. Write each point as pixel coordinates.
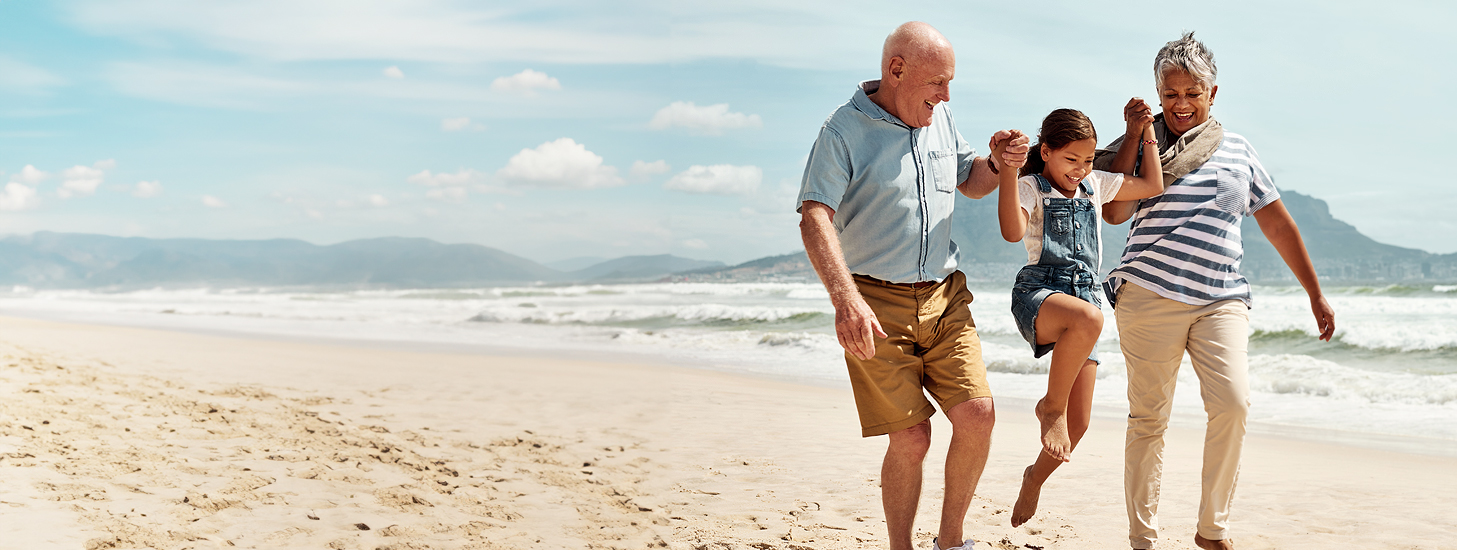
(1179, 155)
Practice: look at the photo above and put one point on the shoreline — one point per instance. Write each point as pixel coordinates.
(1407, 444)
(552, 453)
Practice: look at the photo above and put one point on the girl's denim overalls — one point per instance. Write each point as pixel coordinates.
(1069, 261)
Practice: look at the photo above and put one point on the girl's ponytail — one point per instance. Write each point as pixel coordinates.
(1060, 128)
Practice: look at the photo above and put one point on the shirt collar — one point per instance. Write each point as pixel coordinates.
(864, 104)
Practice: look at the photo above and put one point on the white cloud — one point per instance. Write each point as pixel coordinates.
(644, 170)
(560, 164)
(464, 32)
(460, 124)
(719, 179)
(213, 202)
(80, 181)
(202, 85)
(30, 175)
(22, 77)
(454, 124)
(461, 178)
(708, 119)
(393, 72)
(378, 200)
(147, 189)
(262, 88)
(18, 196)
(107, 164)
(696, 244)
(447, 193)
(526, 82)
(447, 186)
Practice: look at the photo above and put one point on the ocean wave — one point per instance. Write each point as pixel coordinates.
(806, 340)
(1301, 374)
(713, 315)
(790, 290)
(1435, 343)
(1397, 289)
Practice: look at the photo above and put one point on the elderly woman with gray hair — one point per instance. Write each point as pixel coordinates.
(1178, 287)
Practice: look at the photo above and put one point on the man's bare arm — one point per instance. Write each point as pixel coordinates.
(855, 323)
(1277, 225)
(982, 180)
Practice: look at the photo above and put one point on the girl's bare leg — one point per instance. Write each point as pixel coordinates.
(1079, 414)
(1075, 326)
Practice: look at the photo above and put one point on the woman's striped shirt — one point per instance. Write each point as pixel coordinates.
(1185, 244)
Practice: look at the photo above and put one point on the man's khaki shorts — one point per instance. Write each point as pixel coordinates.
(932, 344)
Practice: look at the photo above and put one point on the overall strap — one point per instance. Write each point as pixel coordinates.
(1087, 187)
(1043, 184)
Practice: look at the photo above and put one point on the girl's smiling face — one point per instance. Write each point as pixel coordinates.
(1067, 166)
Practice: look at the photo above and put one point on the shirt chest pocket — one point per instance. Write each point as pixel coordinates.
(1233, 193)
(943, 170)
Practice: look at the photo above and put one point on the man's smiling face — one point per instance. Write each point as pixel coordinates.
(925, 83)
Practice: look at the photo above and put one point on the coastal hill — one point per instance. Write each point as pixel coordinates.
(1340, 252)
(68, 260)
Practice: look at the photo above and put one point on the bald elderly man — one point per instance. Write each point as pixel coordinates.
(876, 202)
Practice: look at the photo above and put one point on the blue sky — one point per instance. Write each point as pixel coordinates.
(557, 129)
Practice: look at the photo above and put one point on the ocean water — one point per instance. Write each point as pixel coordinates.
(1388, 378)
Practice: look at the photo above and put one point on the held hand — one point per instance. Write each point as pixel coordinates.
(1137, 114)
(1325, 317)
(1014, 154)
(854, 324)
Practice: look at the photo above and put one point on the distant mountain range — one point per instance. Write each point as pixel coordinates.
(1341, 253)
(69, 260)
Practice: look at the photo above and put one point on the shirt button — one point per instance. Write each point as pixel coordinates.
(1079, 225)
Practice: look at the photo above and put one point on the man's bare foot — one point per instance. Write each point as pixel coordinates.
(1055, 441)
(1207, 544)
(1026, 505)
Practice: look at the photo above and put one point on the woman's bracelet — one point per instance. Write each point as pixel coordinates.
(1150, 142)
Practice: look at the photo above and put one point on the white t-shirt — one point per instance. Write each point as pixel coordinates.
(1105, 186)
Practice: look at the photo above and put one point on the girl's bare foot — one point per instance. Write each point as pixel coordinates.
(1055, 440)
(1026, 505)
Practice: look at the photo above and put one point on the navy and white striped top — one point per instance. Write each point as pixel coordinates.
(1185, 244)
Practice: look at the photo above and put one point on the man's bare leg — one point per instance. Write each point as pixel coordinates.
(1079, 414)
(1207, 544)
(900, 481)
(971, 439)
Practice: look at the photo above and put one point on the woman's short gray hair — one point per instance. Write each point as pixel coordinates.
(1188, 55)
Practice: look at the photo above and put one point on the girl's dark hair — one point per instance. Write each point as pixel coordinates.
(1060, 128)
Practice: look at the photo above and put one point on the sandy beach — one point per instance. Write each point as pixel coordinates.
(131, 438)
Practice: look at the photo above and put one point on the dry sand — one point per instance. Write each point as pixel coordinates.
(129, 438)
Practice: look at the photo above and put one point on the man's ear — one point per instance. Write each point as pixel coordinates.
(896, 69)
(1212, 91)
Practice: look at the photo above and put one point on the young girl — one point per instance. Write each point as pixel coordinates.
(1054, 209)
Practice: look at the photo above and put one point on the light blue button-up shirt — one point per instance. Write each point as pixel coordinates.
(892, 188)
